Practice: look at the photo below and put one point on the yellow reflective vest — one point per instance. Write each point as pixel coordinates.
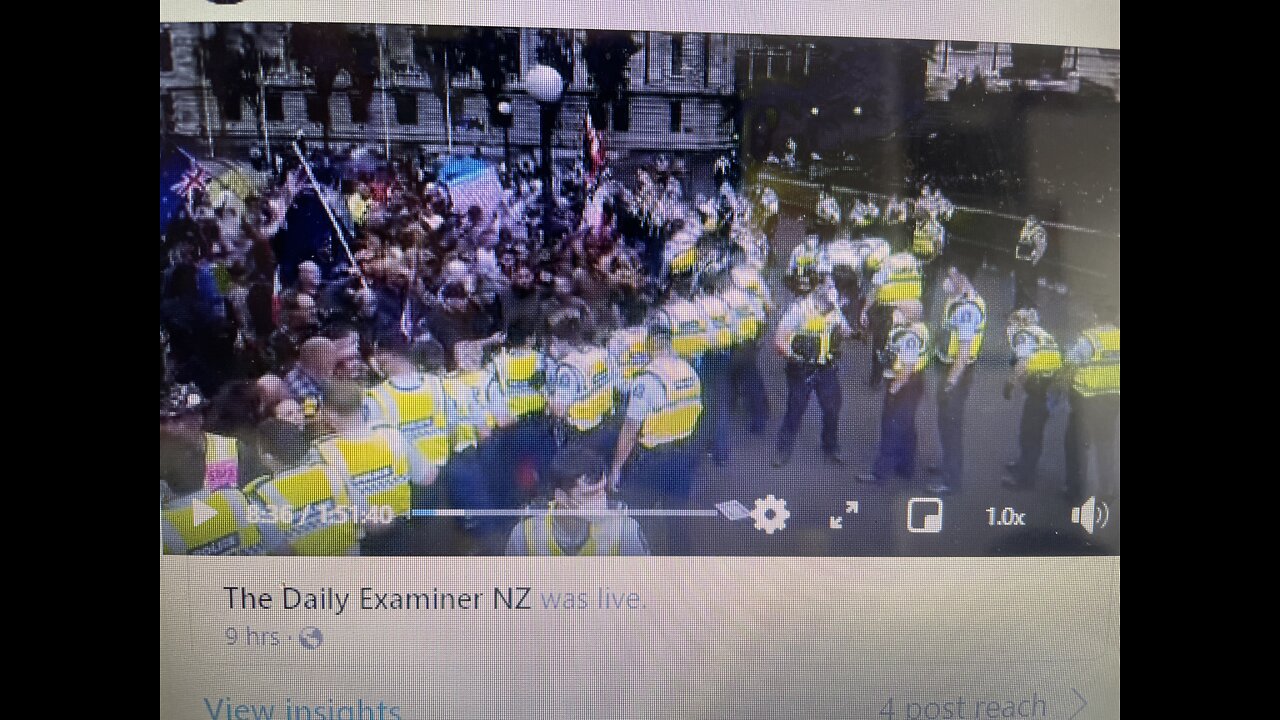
(306, 490)
(521, 374)
(1045, 359)
(677, 417)
(221, 462)
(1100, 375)
(466, 390)
(746, 314)
(902, 280)
(375, 467)
(421, 415)
(908, 342)
(630, 352)
(689, 328)
(965, 311)
(229, 532)
(596, 401)
(603, 537)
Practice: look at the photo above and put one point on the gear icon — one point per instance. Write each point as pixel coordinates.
(770, 514)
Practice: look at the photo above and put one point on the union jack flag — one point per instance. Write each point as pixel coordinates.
(195, 178)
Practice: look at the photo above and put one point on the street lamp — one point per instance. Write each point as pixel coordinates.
(505, 114)
(546, 86)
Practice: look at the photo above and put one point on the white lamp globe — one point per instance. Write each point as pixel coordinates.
(544, 83)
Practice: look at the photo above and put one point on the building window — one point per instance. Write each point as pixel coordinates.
(457, 110)
(318, 109)
(676, 119)
(275, 107)
(964, 46)
(166, 51)
(406, 108)
(359, 110)
(677, 54)
(232, 110)
(622, 115)
(599, 110)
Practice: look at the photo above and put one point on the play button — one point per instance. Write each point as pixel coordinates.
(202, 513)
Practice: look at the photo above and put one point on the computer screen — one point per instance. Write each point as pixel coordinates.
(700, 360)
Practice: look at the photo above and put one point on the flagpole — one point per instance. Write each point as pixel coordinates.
(386, 129)
(262, 107)
(448, 102)
(334, 221)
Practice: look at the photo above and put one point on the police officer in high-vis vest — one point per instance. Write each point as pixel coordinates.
(1093, 366)
(657, 454)
(302, 494)
(809, 337)
(235, 528)
(906, 356)
(928, 241)
(896, 279)
(190, 458)
(747, 312)
(473, 417)
(579, 520)
(378, 466)
(1036, 361)
(518, 386)
(582, 385)
(957, 345)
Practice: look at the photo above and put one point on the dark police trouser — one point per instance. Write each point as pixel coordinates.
(803, 378)
(663, 477)
(745, 377)
(474, 486)
(898, 430)
(929, 281)
(1092, 424)
(717, 400)
(951, 423)
(1035, 415)
(1025, 277)
(522, 456)
(880, 317)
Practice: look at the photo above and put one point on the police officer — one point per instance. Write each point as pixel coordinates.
(907, 355)
(1093, 363)
(518, 382)
(657, 444)
(236, 527)
(964, 320)
(1033, 240)
(928, 242)
(378, 466)
(895, 279)
(470, 479)
(1036, 360)
(747, 314)
(302, 482)
(579, 520)
(809, 336)
(191, 458)
(581, 387)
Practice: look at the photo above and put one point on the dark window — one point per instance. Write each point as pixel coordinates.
(317, 109)
(676, 119)
(166, 51)
(706, 59)
(457, 110)
(359, 110)
(406, 108)
(275, 107)
(599, 110)
(232, 109)
(622, 115)
(677, 54)
(964, 46)
(166, 111)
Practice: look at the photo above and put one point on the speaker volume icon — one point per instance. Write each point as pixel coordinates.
(1092, 514)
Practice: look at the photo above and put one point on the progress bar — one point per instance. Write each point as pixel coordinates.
(545, 511)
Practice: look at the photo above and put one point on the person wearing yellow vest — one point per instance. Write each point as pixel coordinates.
(658, 445)
(301, 481)
(521, 447)
(1036, 361)
(413, 402)
(190, 458)
(928, 242)
(897, 279)
(959, 341)
(1093, 366)
(579, 520)
(377, 465)
(234, 529)
(906, 357)
(809, 337)
(582, 385)
(747, 312)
